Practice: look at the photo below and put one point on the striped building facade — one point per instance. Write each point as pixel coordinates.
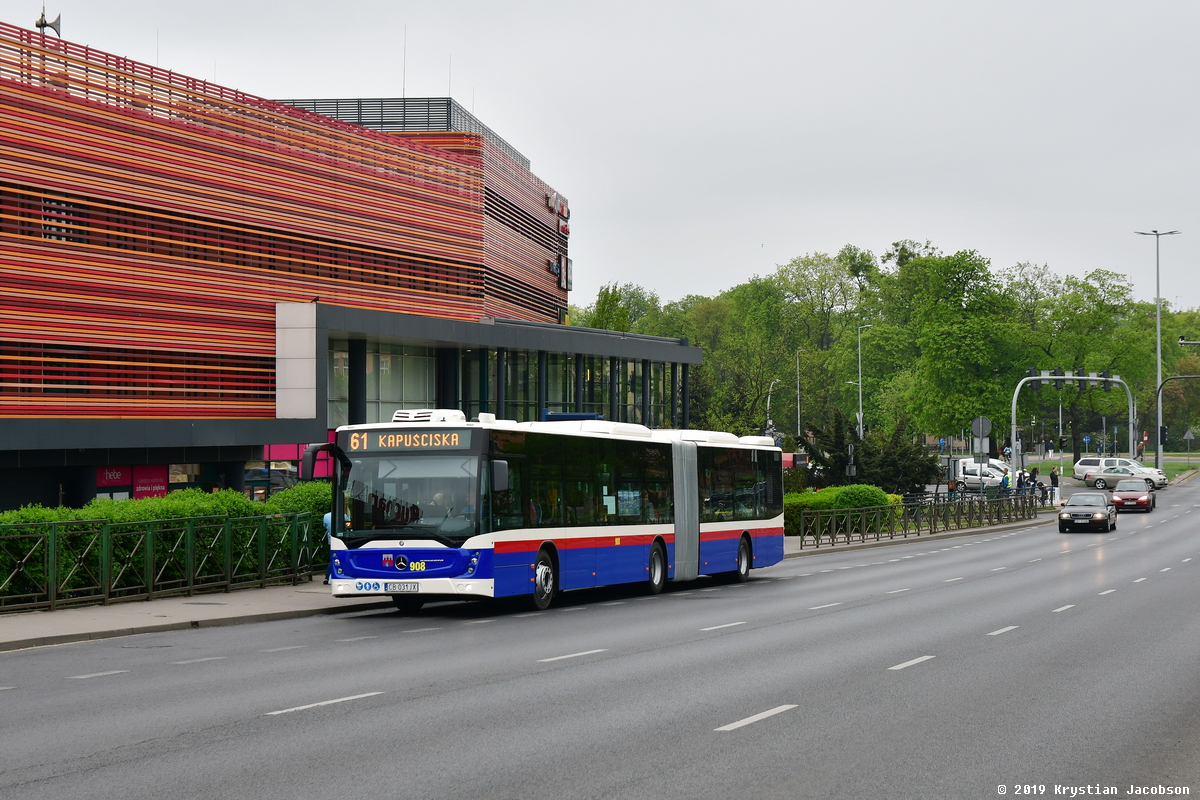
(153, 226)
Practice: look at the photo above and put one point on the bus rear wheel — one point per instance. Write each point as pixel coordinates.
(742, 573)
(545, 581)
(657, 569)
(407, 605)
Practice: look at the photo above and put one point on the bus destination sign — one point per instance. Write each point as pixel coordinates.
(394, 441)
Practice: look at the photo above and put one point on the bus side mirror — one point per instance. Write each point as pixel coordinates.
(499, 476)
(308, 461)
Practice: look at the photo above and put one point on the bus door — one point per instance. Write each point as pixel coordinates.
(687, 511)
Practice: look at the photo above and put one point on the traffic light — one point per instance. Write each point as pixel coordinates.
(1034, 384)
(1106, 384)
(1162, 435)
(1062, 443)
(1058, 381)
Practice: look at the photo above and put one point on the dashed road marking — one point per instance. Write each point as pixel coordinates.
(898, 591)
(997, 569)
(1165, 569)
(1107, 591)
(571, 655)
(425, 630)
(322, 703)
(210, 658)
(756, 718)
(907, 664)
(96, 674)
(951, 580)
(1063, 608)
(726, 625)
(281, 649)
(1034, 561)
(1003, 630)
(1139, 580)
(827, 605)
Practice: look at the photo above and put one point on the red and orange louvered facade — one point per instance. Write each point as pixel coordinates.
(149, 222)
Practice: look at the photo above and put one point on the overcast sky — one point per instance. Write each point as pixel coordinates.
(701, 143)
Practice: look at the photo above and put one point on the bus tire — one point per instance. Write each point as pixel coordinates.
(545, 580)
(407, 605)
(742, 573)
(657, 569)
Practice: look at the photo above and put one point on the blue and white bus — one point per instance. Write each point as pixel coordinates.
(433, 507)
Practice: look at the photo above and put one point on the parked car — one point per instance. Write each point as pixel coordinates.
(1088, 510)
(1094, 464)
(975, 479)
(1108, 477)
(1132, 495)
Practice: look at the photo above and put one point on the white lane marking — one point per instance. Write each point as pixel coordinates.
(1165, 569)
(806, 574)
(1066, 551)
(571, 655)
(199, 660)
(281, 649)
(892, 560)
(469, 622)
(96, 674)
(910, 663)
(614, 603)
(845, 567)
(424, 630)
(726, 625)
(1139, 580)
(826, 570)
(1186, 560)
(1063, 608)
(322, 703)
(1107, 591)
(363, 638)
(756, 718)
(1003, 630)
(6, 688)
(898, 591)
(997, 569)
(1034, 561)
(951, 580)
(827, 605)
(572, 608)
(906, 557)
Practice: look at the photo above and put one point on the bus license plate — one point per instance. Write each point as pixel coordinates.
(401, 587)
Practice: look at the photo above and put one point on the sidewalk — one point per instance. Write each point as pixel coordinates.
(20, 630)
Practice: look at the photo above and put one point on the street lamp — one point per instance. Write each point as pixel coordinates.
(770, 430)
(1157, 337)
(860, 411)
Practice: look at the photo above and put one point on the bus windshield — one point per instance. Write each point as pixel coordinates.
(396, 495)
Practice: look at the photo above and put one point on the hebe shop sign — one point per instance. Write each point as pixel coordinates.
(113, 476)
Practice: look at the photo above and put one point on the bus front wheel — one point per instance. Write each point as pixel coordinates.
(657, 569)
(545, 581)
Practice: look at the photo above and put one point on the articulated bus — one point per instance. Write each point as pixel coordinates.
(433, 507)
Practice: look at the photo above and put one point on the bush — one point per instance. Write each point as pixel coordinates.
(859, 496)
(314, 497)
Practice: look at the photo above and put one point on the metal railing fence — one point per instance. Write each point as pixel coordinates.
(826, 527)
(49, 565)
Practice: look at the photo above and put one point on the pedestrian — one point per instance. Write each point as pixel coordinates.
(1054, 477)
(1033, 474)
(1021, 482)
(328, 519)
(1006, 484)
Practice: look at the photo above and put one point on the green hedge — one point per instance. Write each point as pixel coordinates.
(313, 497)
(853, 496)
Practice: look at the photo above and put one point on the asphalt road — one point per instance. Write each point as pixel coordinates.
(921, 670)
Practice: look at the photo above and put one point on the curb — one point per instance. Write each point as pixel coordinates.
(220, 622)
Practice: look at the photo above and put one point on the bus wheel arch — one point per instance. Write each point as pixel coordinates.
(656, 567)
(545, 577)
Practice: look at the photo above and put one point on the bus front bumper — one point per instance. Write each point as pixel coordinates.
(425, 587)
